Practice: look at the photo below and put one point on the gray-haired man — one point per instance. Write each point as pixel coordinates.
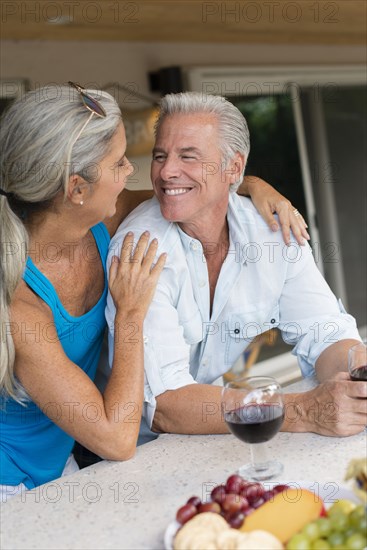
(228, 278)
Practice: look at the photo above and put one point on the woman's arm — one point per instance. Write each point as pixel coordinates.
(269, 201)
(63, 391)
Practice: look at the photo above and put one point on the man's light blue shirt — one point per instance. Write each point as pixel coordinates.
(263, 284)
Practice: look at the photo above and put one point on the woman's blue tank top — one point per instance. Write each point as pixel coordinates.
(34, 450)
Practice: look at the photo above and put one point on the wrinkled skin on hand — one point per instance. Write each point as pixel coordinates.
(337, 407)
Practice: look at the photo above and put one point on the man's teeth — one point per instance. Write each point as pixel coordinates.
(176, 191)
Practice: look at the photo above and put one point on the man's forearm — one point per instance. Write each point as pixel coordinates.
(194, 409)
(335, 408)
(334, 359)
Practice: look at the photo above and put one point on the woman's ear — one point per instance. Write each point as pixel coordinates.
(77, 189)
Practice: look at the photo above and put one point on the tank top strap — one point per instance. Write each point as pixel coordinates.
(40, 284)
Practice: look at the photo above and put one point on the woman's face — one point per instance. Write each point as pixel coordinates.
(114, 170)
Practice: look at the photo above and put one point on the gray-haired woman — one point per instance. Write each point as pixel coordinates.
(63, 173)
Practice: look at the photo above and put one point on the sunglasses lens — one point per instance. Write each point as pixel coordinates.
(93, 105)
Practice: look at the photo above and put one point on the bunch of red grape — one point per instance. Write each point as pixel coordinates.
(234, 500)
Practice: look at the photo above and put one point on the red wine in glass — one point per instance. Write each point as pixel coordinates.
(359, 373)
(357, 362)
(255, 423)
(253, 410)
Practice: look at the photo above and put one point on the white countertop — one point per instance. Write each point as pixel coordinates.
(128, 505)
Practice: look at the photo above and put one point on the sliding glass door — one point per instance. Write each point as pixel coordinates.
(336, 135)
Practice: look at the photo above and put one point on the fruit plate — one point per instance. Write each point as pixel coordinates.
(328, 491)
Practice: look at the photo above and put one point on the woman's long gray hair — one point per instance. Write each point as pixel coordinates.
(40, 149)
(232, 126)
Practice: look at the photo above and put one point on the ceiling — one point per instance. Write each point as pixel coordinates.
(260, 21)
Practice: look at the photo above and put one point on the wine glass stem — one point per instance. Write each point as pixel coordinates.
(259, 456)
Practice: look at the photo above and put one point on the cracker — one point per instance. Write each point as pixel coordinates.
(264, 540)
(200, 532)
(231, 540)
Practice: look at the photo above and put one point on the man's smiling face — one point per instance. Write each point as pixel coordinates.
(187, 173)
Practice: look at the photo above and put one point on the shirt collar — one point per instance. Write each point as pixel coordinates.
(237, 220)
(189, 243)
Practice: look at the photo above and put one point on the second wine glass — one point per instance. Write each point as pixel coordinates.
(254, 412)
(357, 361)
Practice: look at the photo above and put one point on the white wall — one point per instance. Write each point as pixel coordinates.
(100, 62)
(43, 62)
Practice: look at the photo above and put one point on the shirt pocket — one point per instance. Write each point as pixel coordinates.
(243, 327)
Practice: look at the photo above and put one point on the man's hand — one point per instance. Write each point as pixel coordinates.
(337, 407)
(268, 201)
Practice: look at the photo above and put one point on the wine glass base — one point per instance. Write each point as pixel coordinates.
(261, 471)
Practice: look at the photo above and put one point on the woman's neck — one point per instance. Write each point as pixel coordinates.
(54, 235)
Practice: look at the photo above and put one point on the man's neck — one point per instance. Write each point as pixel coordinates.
(213, 237)
(211, 229)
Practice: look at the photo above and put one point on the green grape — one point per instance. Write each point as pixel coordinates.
(356, 515)
(356, 542)
(339, 522)
(342, 505)
(324, 526)
(298, 542)
(349, 532)
(320, 544)
(362, 525)
(335, 539)
(311, 531)
(361, 509)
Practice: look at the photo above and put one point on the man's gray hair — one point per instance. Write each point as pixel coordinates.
(232, 125)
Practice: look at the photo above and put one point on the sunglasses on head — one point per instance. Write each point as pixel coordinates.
(89, 102)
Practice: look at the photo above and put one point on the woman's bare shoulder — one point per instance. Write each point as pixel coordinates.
(26, 306)
(32, 328)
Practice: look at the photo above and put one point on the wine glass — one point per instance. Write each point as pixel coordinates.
(254, 412)
(357, 362)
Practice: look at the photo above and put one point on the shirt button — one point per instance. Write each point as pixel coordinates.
(194, 246)
(202, 283)
(145, 339)
(272, 321)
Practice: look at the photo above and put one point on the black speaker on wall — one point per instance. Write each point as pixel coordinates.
(166, 81)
